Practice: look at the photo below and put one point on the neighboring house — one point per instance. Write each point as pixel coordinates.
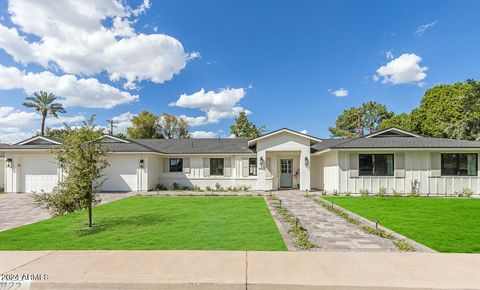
(393, 159)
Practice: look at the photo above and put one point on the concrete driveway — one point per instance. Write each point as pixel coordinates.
(17, 209)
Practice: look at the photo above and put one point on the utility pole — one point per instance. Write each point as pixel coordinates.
(359, 124)
(112, 126)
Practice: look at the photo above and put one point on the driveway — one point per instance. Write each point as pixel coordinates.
(17, 209)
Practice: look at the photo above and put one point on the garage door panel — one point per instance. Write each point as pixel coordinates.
(121, 175)
(38, 173)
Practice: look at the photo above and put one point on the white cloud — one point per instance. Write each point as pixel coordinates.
(304, 131)
(402, 70)
(422, 28)
(142, 8)
(216, 105)
(16, 125)
(122, 122)
(74, 37)
(389, 54)
(341, 92)
(52, 121)
(72, 91)
(203, 134)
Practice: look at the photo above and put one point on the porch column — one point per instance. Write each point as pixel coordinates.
(305, 169)
(261, 171)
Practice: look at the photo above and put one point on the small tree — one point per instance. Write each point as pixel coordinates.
(245, 128)
(83, 159)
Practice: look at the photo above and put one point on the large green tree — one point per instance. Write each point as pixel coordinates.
(83, 159)
(145, 125)
(401, 121)
(468, 126)
(44, 103)
(244, 128)
(370, 115)
(173, 127)
(440, 107)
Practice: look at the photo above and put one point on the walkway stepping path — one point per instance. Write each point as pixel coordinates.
(329, 231)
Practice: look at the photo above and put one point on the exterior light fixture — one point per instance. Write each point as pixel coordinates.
(262, 161)
(306, 161)
(9, 162)
(141, 163)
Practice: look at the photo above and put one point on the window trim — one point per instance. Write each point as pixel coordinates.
(373, 165)
(170, 165)
(457, 161)
(249, 167)
(223, 167)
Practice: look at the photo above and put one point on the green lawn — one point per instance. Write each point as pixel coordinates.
(163, 223)
(443, 224)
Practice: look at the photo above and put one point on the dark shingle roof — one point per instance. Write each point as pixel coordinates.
(406, 142)
(328, 143)
(197, 146)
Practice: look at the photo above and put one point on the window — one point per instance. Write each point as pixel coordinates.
(216, 166)
(176, 164)
(252, 166)
(459, 164)
(375, 164)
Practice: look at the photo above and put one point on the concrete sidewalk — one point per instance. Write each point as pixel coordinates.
(244, 270)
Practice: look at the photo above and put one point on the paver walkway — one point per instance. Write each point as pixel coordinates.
(17, 209)
(328, 231)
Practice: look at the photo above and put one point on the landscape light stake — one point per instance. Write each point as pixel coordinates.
(376, 224)
(296, 222)
(280, 201)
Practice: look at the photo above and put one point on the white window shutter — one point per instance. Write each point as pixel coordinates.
(354, 165)
(400, 165)
(206, 167)
(269, 167)
(228, 167)
(166, 164)
(435, 162)
(245, 165)
(186, 165)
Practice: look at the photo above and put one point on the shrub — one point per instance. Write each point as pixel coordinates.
(467, 192)
(245, 188)
(160, 187)
(186, 188)
(348, 193)
(335, 192)
(208, 188)
(218, 187)
(382, 191)
(196, 188)
(396, 193)
(364, 192)
(175, 186)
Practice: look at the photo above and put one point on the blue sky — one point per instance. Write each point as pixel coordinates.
(282, 61)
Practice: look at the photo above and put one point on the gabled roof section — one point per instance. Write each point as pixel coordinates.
(392, 132)
(40, 140)
(112, 139)
(312, 139)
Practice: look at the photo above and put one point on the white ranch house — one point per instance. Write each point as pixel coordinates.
(393, 159)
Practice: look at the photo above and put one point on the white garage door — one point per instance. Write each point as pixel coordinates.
(38, 173)
(121, 175)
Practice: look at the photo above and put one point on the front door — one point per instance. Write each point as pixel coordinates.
(286, 176)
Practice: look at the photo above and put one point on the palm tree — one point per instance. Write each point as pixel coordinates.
(44, 103)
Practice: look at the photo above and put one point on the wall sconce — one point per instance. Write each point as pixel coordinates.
(141, 163)
(306, 161)
(9, 162)
(262, 161)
